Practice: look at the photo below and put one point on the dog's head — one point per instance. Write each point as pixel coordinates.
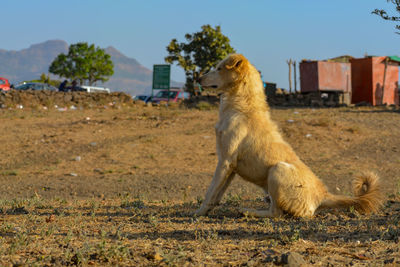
(228, 72)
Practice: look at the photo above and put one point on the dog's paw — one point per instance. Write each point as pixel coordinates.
(202, 211)
(199, 213)
(256, 213)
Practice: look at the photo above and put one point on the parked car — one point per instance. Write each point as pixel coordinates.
(175, 95)
(144, 98)
(4, 84)
(35, 86)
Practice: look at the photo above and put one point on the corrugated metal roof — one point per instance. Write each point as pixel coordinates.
(394, 58)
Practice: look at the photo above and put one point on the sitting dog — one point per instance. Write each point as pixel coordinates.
(250, 145)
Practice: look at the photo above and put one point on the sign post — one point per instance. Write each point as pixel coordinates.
(161, 77)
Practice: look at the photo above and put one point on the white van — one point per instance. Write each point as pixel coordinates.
(94, 89)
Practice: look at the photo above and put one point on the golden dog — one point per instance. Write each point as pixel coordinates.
(250, 145)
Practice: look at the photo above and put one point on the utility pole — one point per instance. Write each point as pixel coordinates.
(289, 62)
(295, 76)
(384, 80)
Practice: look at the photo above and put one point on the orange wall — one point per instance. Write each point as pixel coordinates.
(390, 84)
(367, 81)
(325, 76)
(334, 76)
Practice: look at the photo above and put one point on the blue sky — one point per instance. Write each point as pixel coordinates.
(267, 32)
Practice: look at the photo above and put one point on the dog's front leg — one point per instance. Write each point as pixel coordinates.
(222, 178)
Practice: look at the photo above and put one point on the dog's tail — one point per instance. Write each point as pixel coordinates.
(368, 196)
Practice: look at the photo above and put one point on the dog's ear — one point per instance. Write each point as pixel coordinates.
(234, 62)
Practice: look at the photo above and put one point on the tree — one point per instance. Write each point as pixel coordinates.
(383, 14)
(202, 51)
(83, 63)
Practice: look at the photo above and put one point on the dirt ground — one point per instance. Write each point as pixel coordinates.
(108, 186)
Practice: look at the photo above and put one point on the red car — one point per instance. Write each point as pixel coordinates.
(175, 95)
(4, 84)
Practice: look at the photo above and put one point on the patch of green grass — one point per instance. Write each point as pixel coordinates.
(320, 122)
(233, 199)
(9, 173)
(203, 105)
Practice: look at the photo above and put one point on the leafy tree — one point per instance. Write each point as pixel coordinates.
(202, 51)
(383, 14)
(83, 63)
(45, 79)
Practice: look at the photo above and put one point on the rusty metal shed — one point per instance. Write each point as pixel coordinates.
(331, 76)
(375, 80)
(325, 76)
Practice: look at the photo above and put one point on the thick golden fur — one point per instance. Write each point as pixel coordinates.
(250, 145)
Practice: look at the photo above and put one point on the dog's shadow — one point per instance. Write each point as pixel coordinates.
(281, 230)
(326, 225)
(225, 222)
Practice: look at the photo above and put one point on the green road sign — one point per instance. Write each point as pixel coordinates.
(161, 76)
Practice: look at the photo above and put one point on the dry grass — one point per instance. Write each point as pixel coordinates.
(129, 231)
(142, 171)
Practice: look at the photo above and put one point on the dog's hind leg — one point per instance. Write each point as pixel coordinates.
(223, 176)
(286, 193)
(290, 193)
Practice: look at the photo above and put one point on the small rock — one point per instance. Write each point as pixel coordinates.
(290, 121)
(93, 144)
(73, 174)
(388, 261)
(78, 158)
(154, 256)
(308, 135)
(292, 259)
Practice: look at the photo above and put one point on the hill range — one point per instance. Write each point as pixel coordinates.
(28, 64)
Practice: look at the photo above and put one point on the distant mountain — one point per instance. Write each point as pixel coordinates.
(28, 64)
(129, 76)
